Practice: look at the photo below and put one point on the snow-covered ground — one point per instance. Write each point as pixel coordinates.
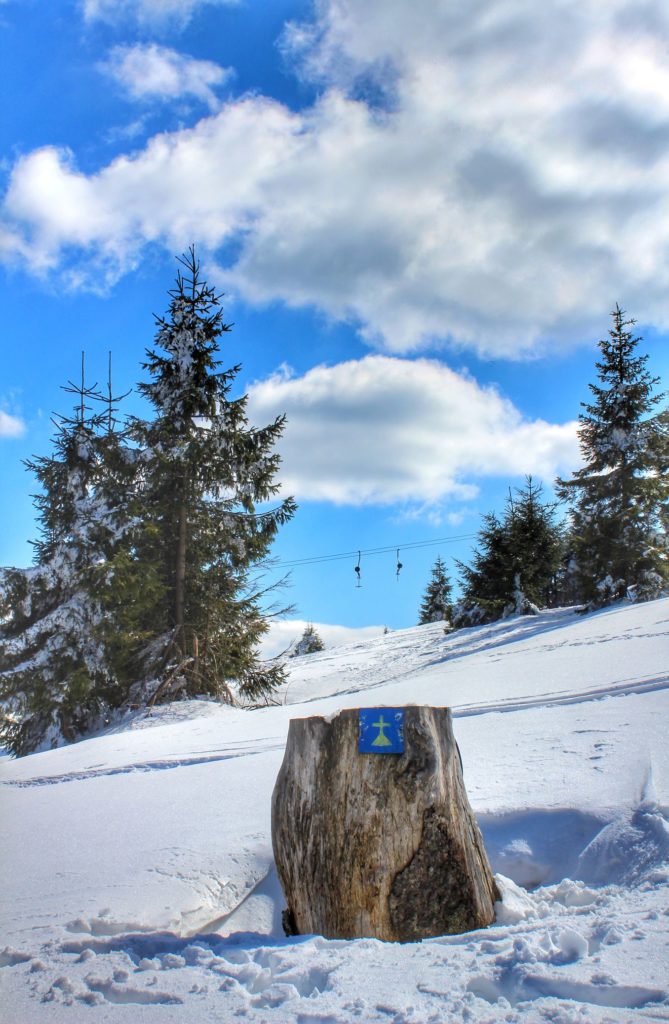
(138, 881)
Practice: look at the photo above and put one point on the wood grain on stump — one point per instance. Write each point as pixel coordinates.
(384, 846)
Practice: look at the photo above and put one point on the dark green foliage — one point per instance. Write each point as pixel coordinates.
(619, 499)
(487, 583)
(514, 566)
(54, 672)
(203, 471)
(535, 543)
(436, 604)
(309, 643)
(146, 583)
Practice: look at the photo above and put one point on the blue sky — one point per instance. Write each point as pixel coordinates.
(420, 215)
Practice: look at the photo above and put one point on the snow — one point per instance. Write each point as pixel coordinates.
(141, 880)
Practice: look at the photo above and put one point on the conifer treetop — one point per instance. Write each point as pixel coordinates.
(619, 497)
(612, 431)
(436, 606)
(186, 380)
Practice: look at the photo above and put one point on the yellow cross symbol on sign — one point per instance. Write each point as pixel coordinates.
(381, 740)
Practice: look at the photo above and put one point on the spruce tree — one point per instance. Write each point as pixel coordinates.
(309, 643)
(55, 677)
(620, 497)
(535, 545)
(516, 561)
(203, 472)
(487, 582)
(148, 577)
(436, 604)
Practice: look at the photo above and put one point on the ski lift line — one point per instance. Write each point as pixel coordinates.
(377, 551)
(316, 559)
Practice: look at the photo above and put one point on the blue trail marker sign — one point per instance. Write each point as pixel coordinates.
(381, 731)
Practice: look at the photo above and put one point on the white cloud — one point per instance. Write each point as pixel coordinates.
(146, 12)
(509, 189)
(11, 426)
(383, 430)
(150, 71)
(201, 183)
(282, 633)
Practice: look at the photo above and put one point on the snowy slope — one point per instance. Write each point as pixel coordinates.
(139, 882)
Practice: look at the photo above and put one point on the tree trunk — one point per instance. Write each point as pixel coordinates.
(382, 844)
(180, 577)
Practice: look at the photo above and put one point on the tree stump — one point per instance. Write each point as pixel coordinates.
(381, 844)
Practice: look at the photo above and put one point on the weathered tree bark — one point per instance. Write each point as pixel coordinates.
(384, 846)
(180, 575)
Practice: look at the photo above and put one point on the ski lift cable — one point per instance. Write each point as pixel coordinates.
(315, 559)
